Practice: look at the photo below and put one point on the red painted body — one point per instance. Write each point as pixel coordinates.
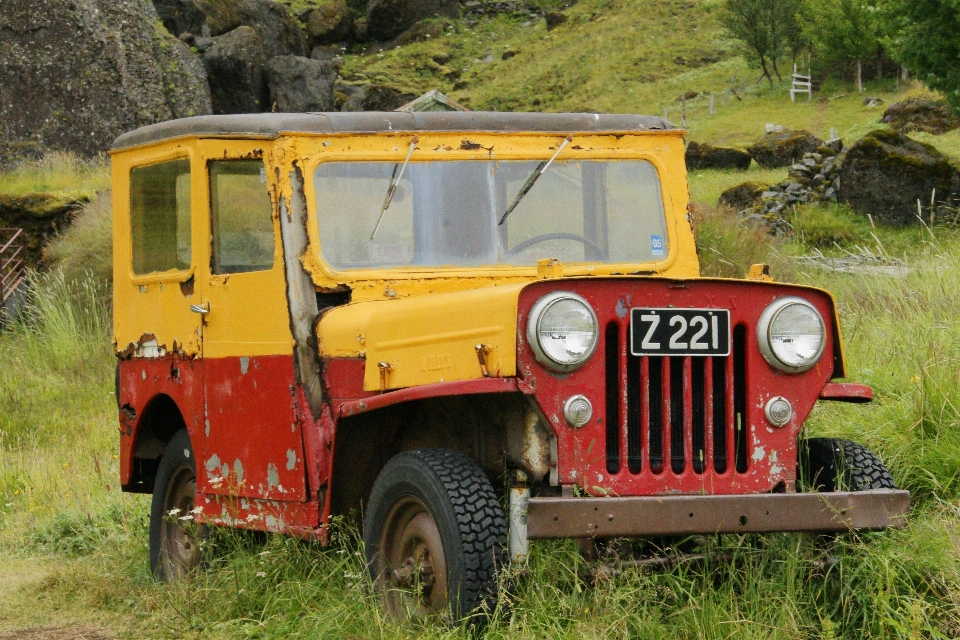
(771, 452)
(264, 460)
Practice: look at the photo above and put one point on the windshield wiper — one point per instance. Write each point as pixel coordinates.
(532, 180)
(394, 182)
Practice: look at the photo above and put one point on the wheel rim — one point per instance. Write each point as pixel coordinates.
(411, 566)
(179, 543)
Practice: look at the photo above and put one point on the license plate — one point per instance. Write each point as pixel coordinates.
(680, 332)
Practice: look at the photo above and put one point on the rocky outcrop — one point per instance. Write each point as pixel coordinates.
(300, 84)
(814, 179)
(75, 74)
(41, 216)
(198, 17)
(277, 26)
(376, 97)
(921, 114)
(743, 196)
(705, 156)
(885, 173)
(388, 18)
(782, 149)
(234, 63)
(329, 23)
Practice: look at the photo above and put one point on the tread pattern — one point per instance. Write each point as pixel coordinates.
(864, 470)
(483, 529)
(843, 465)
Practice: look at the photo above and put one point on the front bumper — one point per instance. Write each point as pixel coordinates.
(694, 514)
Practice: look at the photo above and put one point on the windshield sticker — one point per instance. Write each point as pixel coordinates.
(656, 245)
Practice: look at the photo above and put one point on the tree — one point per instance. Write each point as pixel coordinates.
(843, 32)
(766, 29)
(928, 43)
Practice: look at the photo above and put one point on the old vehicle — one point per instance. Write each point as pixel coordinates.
(474, 329)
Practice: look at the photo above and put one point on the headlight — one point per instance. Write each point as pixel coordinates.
(791, 334)
(562, 331)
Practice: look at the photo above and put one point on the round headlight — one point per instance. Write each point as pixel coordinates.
(791, 334)
(562, 331)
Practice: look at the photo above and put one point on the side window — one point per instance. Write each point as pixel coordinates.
(160, 216)
(241, 217)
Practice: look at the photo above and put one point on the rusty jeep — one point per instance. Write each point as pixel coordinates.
(470, 330)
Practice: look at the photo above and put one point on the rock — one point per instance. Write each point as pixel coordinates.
(784, 148)
(41, 216)
(376, 97)
(885, 173)
(234, 64)
(330, 22)
(774, 128)
(509, 53)
(389, 18)
(75, 74)
(555, 19)
(689, 95)
(705, 156)
(300, 85)
(421, 32)
(921, 114)
(278, 28)
(191, 16)
(743, 196)
(872, 102)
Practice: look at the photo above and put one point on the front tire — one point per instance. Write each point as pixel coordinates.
(435, 535)
(175, 543)
(829, 464)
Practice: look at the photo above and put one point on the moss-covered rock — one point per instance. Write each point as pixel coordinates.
(743, 196)
(885, 173)
(784, 148)
(706, 156)
(75, 74)
(41, 216)
(328, 23)
(921, 114)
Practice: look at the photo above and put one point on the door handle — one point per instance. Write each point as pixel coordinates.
(202, 309)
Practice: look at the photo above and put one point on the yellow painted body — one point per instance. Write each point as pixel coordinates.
(423, 324)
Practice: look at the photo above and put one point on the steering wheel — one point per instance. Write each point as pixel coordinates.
(586, 242)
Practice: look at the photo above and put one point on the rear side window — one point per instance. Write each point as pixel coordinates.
(160, 216)
(241, 217)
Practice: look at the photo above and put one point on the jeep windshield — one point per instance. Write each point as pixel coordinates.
(446, 213)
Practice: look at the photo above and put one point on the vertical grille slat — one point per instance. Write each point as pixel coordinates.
(612, 354)
(675, 414)
(698, 411)
(655, 411)
(740, 395)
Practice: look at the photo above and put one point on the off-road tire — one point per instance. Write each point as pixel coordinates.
(829, 464)
(176, 466)
(460, 498)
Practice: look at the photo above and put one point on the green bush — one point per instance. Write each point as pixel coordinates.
(818, 225)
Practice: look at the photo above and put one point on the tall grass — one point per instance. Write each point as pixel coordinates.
(58, 172)
(85, 248)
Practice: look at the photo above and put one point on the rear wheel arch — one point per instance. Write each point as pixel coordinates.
(159, 421)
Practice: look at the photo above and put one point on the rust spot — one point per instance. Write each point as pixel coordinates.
(186, 287)
(469, 145)
(128, 418)
(577, 147)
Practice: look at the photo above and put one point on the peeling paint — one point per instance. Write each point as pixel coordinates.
(273, 476)
(758, 454)
(238, 470)
(244, 365)
(291, 459)
(212, 463)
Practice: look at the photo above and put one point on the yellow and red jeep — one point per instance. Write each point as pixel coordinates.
(473, 328)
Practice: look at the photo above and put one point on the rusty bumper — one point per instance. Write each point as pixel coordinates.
(684, 515)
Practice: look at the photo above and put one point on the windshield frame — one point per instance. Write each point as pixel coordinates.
(488, 146)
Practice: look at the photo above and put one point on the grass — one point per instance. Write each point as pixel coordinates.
(58, 173)
(74, 548)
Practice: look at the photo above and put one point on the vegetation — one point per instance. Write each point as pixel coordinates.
(767, 30)
(926, 42)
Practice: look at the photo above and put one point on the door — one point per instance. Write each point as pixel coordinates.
(253, 440)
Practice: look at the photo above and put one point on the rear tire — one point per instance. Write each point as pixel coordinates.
(175, 538)
(829, 464)
(435, 535)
